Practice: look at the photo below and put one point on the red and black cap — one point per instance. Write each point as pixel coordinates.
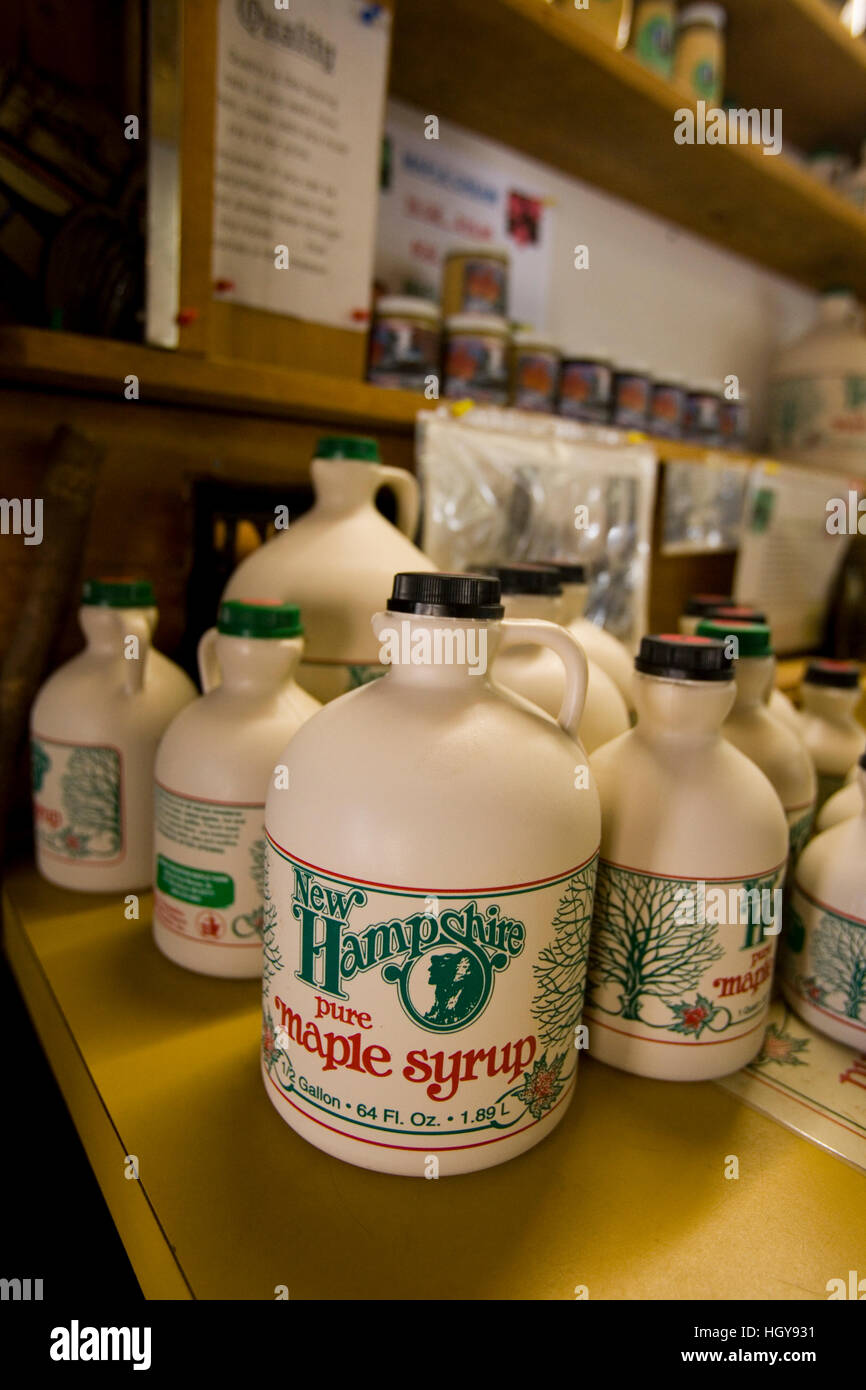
(839, 675)
(699, 604)
(684, 658)
(446, 596)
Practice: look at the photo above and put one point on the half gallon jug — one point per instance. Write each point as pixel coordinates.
(336, 561)
(95, 727)
(601, 647)
(750, 726)
(213, 769)
(824, 949)
(429, 893)
(780, 706)
(841, 805)
(533, 592)
(688, 900)
(818, 391)
(830, 694)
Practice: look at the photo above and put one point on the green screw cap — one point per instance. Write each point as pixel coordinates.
(262, 618)
(348, 446)
(118, 593)
(753, 639)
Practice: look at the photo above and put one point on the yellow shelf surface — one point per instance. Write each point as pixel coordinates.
(627, 1197)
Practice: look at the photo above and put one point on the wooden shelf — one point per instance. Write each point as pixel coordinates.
(100, 366)
(795, 55)
(537, 79)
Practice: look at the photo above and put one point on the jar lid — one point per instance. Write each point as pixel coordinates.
(118, 593)
(476, 323)
(666, 380)
(347, 446)
(684, 658)
(597, 355)
(259, 618)
(523, 578)
(840, 675)
(636, 369)
(753, 639)
(703, 14)
(736, 612)
(569, 571)
(495, 253)
(705, 388)
(398, 304)
(446, 596)
(527, 337)
(704, 603)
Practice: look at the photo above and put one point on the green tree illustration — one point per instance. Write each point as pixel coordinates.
(40, 764)
(257, 865)
(560, 974)
(839, 956)
(90, 790)
(641, 941)
(273, 962)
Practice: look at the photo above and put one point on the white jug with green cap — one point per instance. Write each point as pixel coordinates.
(429, 892)
(95, 727)
(337, 560)
(688, 901)
(823, 954)
(780, 754)
(213, 770)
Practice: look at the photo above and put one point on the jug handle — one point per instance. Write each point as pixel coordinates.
(518, 632)
(134, 625)
(405, 489)
(209, 671)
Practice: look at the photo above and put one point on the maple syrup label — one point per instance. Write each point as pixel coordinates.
(682, 961)
(209, 869)
(77, 800)
(422, 1020)
(824, 959)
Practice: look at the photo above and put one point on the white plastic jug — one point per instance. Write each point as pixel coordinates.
(780, 754)
(818, 391)
(601, 647)
(213, 770)
(95, 727)
(336, 561)
(830, 694)
(429, 889)
(840, 806)
(688, 900)
(824, 950)
(533, 592)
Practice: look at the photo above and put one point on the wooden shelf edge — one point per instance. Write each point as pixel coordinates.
(101, 366)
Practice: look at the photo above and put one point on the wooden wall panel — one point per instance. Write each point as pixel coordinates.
(142, 517)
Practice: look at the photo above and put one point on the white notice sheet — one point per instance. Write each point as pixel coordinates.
(300, 107)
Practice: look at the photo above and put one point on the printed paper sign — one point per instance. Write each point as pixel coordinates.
(300, 102)
(460, 190)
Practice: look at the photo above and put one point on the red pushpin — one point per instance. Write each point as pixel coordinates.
(360, 315)
(187, 316)
(224, 286)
